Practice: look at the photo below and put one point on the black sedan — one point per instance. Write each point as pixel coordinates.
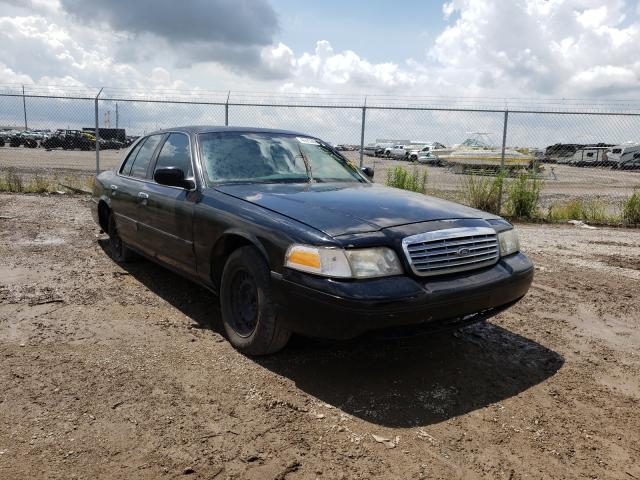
(294, 238)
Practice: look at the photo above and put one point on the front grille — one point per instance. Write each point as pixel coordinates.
(451, 250)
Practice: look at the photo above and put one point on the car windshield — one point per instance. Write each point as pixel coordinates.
(242, 157)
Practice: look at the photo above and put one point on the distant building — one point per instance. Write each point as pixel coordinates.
(397, 141)
(394, 141)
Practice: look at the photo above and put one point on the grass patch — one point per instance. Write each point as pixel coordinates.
(588, 210)
(483, 192)
(524, 196)
(13, 182)
(631, 209)
(37, 184)
(399, 177)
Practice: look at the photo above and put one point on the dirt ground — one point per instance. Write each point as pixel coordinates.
(561, 181)
(107, 372)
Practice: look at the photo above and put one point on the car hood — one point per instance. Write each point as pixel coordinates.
(349, 208)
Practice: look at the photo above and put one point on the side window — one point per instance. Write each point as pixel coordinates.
(175, 153)
(126, 168)
(141, 162)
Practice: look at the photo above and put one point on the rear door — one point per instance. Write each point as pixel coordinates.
(122, 199)
(129, 199)
(169, 210)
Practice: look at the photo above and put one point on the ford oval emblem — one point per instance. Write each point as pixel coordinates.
(463, 252)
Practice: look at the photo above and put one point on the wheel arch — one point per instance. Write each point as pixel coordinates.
(104, 210)
(230, 241)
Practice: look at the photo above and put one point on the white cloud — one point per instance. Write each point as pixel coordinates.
(447, 9)
(535, 47)
(330, 70)
(531, 48)
(278, 59)
(7, 75)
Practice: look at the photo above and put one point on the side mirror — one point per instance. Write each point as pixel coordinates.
(368, 171)
(172, 177)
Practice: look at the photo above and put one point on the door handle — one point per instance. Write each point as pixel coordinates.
(114, 187)
(143, 196)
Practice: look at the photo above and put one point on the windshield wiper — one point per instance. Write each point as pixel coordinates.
(307, 165)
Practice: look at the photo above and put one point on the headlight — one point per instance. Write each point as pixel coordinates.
(509, 242)
(336, 262)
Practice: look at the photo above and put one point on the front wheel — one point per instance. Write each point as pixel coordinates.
(248, 311)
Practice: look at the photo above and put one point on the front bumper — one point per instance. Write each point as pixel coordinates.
(329, 308)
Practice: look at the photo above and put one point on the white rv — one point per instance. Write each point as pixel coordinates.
(589, 156)
(626, 155)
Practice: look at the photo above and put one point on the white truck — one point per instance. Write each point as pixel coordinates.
(397, 151)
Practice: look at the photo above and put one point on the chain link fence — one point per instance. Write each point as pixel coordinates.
(582, 155)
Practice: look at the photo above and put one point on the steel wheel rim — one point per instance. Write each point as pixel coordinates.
(244, 303)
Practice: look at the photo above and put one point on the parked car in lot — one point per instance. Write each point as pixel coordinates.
(399, 152)
(429, 152)
(70, 140)
(293, 238)
(373, 150)
(427, 158)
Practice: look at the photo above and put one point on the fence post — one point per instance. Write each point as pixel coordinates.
(504, 146)
(97, 135)
(364, 116)
(24, 109)
(226, 110)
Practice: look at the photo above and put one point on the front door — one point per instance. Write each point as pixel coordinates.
(169, 210)
(128, 198)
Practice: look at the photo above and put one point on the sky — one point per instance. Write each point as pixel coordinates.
(497, 48)
(487, 49)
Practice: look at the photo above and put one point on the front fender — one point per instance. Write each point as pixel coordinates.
(236, 232)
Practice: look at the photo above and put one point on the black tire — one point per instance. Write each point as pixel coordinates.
(117, 247)
(248, 312)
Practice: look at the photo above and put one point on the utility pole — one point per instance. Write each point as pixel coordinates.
(117, 117)
(24, 108)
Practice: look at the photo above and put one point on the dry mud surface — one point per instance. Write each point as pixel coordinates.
(107, 372)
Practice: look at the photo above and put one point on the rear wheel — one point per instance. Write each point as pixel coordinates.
(248, 311)
(117, 248)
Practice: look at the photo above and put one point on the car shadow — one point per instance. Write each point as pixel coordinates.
(385, 379)
(420, 380)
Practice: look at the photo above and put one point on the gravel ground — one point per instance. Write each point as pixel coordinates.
(109, 372)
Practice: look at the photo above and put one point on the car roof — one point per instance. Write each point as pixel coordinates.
(195, 129)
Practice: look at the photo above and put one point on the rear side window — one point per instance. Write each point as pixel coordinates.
(141, 162)
(126, 168)
(175, 153)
